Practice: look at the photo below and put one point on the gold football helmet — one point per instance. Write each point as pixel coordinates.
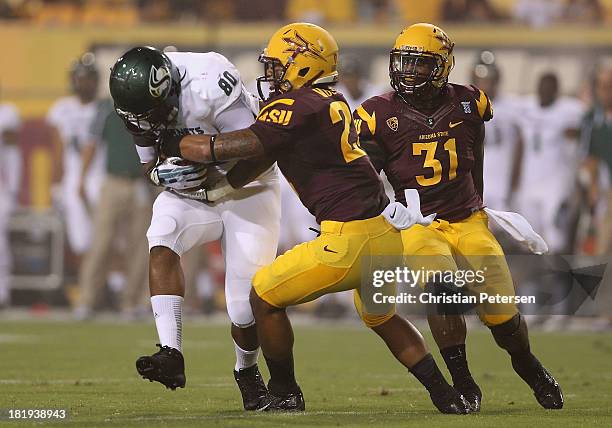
(298, 55)
(421, 60)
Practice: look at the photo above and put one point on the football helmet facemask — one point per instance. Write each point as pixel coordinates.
(145, 86)
(298, 55)
(420, 61)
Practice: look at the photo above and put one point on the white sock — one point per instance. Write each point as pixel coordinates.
(245, 359)
(168, 314)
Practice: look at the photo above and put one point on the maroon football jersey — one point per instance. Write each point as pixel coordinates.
(311, 134)
(431, 153)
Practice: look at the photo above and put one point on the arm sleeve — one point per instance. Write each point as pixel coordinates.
(483, 105)
(146, 148)
(146, 154)
(281, 122)
(365, 123)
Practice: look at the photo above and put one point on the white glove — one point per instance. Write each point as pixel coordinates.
(403, 217)
(178, 174)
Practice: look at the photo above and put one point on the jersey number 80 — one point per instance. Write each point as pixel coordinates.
(227, 82)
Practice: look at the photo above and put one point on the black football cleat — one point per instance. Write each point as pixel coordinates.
(471, 393)
(283, 402)
(546, 390)
(252, 387)
(449, 401)
(166, 366)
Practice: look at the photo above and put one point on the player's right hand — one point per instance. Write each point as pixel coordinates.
(403, 217)
(179, 174)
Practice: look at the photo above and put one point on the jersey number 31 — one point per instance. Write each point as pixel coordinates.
(435, 164)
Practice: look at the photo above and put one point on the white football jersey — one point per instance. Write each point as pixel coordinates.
(501, 135)
(549, 156)
(210, 85)
(73, 120)
(10, 175)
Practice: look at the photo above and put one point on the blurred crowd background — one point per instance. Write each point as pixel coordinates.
(537, 13)
(74, 208)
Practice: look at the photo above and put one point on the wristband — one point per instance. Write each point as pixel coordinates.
(212, 148)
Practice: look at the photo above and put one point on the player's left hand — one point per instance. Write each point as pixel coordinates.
(403, 217)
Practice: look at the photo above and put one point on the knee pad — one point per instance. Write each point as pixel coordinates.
(240, 312)
(161, 226)
(512, 335)
(163, 232)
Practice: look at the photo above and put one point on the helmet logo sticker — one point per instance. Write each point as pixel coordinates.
(446, 43)
(299, 44)
(159, 81)
(393, 123)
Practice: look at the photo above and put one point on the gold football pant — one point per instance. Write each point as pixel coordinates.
(328, 264)
(466, 245)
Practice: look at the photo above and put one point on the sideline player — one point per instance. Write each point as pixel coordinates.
(428, 135)
(181, 93)
(71, 118)
(551, 124)
(503, 137)
(10, 122)
(308, 128)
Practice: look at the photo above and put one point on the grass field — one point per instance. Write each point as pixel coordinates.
(347, 376)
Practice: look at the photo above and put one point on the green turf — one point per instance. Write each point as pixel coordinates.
(347, 376)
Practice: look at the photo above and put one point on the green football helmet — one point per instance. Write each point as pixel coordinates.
(145, 87)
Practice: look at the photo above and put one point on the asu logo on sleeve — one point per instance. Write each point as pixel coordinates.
(278, 112)
(483, 104)
(365, 122)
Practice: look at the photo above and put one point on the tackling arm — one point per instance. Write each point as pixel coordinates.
(242, 144)
(248, 170)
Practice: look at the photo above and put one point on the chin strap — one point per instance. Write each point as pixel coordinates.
(421, 102)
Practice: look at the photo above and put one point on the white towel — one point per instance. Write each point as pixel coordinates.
(519, 228)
